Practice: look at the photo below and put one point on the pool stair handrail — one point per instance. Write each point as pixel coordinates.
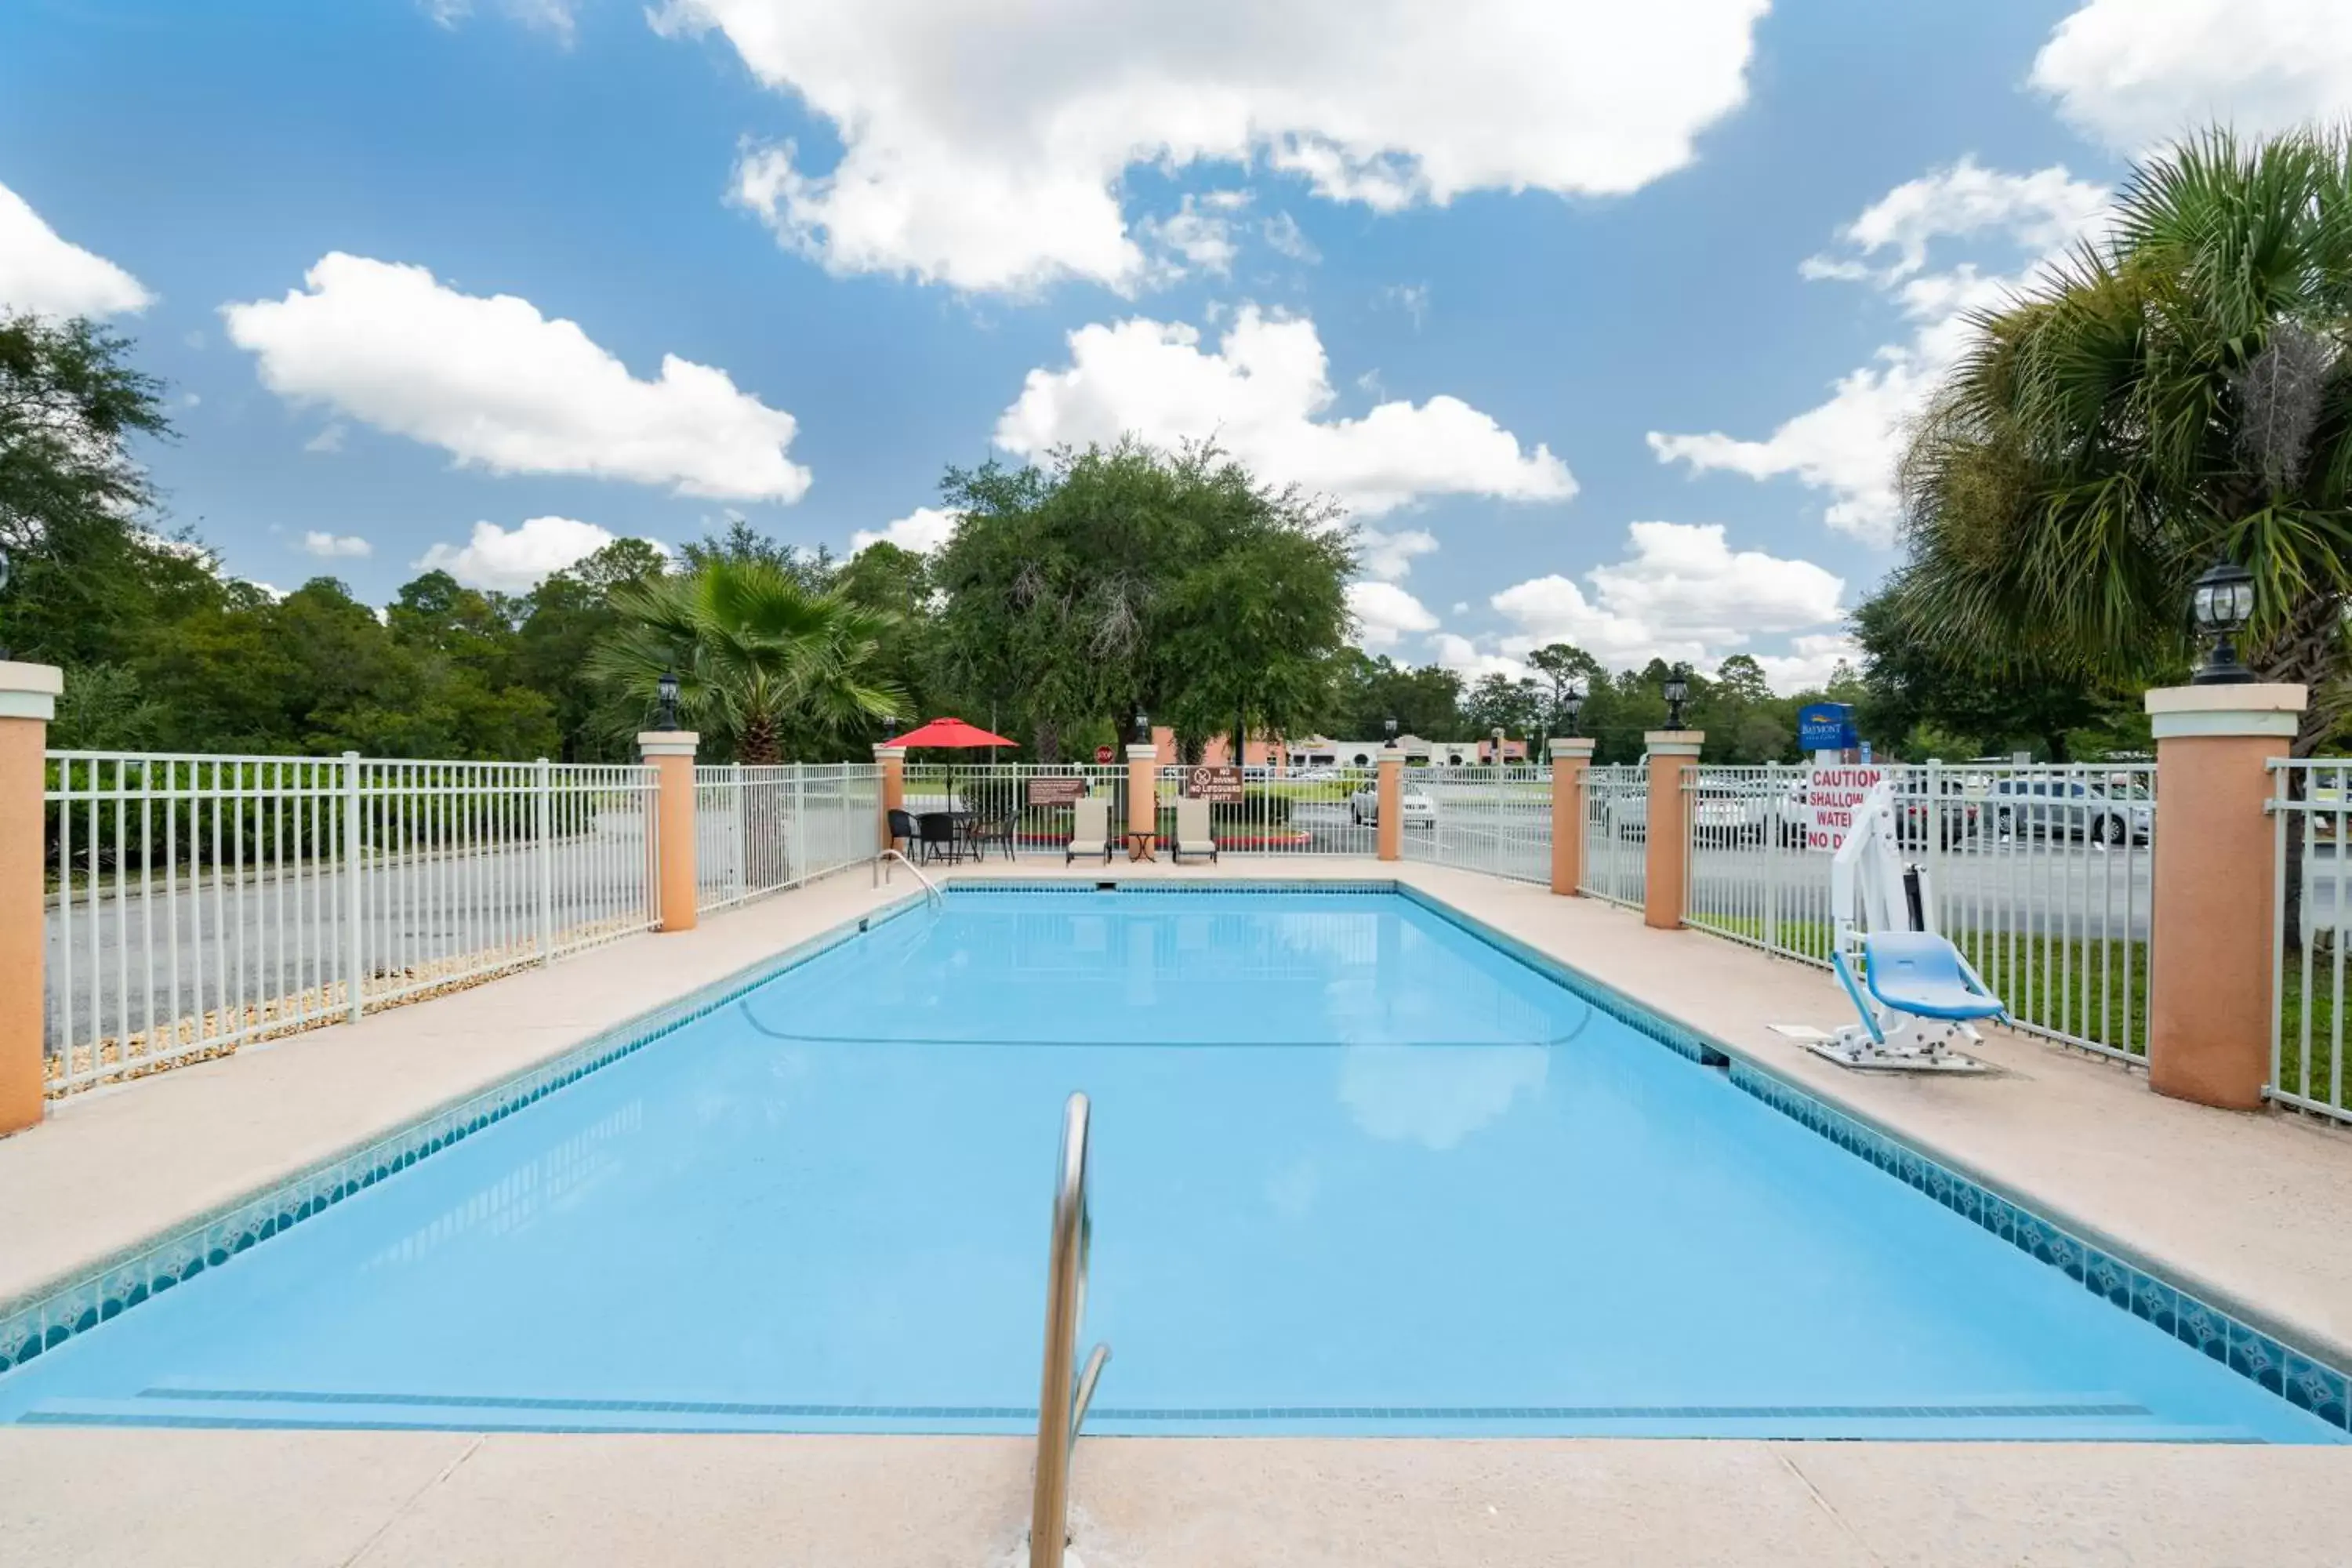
(930, 890)
(1061, 1410)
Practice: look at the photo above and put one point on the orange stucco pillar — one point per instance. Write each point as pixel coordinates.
(1571, 754)
(1391, 803)
(671, 752)
(892, 760)
(1143, 789)
(2209, 1003)
(1666, 838)
(28, 700)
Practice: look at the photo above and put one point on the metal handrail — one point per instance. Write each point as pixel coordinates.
(1060, 1411)
(933, 893)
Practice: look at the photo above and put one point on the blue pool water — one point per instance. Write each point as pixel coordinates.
(1355, 1172)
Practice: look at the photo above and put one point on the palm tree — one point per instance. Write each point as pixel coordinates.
(2176, 393)
(764, 662)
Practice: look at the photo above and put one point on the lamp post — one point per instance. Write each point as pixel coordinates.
(2221, 604)
(1572, 709)
(666, 691)
(1390, 724)
(1142, 728)
(1676, 687)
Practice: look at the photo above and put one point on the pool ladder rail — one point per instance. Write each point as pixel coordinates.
(931, 894)
(1060, 1411)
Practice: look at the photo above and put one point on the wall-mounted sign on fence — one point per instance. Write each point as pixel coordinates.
(1832, 794)
(1213, 783)
(1055, 789)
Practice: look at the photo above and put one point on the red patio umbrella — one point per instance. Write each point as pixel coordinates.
(949, 732)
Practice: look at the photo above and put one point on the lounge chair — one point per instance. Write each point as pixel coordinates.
(1192, 835)
(1089, 828)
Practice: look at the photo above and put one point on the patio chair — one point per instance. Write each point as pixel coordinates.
(902, 832)
(997, 829)
(1193, 834)
(937, 834)
(1089, 829)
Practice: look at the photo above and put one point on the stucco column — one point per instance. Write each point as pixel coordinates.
(1143, 789)
(28, 700)
(2209, 1003)
(892, 760)
(1570, 755)
(1665, 835)
(1391, 803)
(671, 752)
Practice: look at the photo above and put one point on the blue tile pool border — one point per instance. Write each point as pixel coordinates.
(2306, 1381)
(48, 1316)
(51, 1315)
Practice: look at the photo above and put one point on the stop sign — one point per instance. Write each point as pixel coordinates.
(1102, 753)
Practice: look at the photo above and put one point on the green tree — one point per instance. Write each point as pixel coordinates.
(1367, 692)
(2174, 393)
(765, 665)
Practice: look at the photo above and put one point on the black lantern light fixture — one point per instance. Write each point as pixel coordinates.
(1142, 728)
(1390, 724)
(1572, 709)
(2221, 604)
(1676, 687)
(665, 690)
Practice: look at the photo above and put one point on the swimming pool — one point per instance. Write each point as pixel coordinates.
(1356, 1170)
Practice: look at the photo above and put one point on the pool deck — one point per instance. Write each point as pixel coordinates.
(2250, 1210)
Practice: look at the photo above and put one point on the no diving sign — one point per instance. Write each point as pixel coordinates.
(1834, 793)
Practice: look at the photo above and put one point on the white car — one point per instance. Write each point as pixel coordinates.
(1364, 807)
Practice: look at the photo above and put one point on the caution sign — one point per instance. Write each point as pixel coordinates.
(1833, 795)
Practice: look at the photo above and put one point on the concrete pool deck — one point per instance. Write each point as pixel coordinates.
(2250, 1210)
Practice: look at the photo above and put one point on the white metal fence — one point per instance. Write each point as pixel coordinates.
(758, 830)
(995, 810)
(1484, 818)
(199, 902)
(2041, 875)
(2311, 808)
(1616, 834)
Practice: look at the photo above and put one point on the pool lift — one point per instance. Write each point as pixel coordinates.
(1919, 998)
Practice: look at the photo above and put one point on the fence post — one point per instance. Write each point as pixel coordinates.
(1143, 788)
(1665, 830)
(893, 761)
(671, 754)
(1775, 842)
(799, 867)
(28, 700)
(1571, 754)
(354, 891)
(742, 881)
(543, 831)
(1390, 801)
(2212, 936)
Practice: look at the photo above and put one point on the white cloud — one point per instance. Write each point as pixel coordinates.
(44, 273)
(1259, 395)
(1466, 659)
(514, 560)
(2132, 73)
(1413, 299)
(556, 16)
(329, 439)
(1202, 237)
(328, 546)
(1283, 233)
(494, 382)
(1437, 1096)
(922, 531)
(1810, 661)
(984, 144)
(1849, 444)
(1389, 557)
(1386, 615)
(1681, 592)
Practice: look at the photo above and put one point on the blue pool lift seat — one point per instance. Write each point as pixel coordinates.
(1919, 973)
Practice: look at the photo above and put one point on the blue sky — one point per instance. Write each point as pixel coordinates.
(1618, 309)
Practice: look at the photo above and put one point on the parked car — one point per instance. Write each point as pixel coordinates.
(2071, 808)
(1950, 819)
(1728, 814)
(1364, 807)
